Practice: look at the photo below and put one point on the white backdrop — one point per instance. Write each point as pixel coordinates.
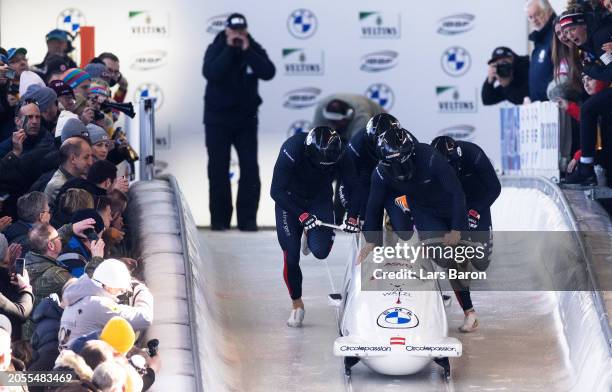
(424, 61)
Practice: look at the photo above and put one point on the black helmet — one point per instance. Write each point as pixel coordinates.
(447, 146)
(396, 149)
(323, 147)
(380, 124)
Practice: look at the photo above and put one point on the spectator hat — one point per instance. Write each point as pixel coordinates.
(99, 86)
(27, 79)
(338, 110)
(3, 246)
(45, 96)
(236, 21)
(73, 127)
(12, 52)
(501, 52)
(61, 89)
(119, 334)
(95, 70)
(573, 19)
(5, 324)
(61, 35)
(96, 134)
(113, 273)
(75, 76)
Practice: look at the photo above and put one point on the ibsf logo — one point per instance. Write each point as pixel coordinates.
(456, 61)
(216, 24)
(150, 59)
(376, 25)
(381, 94)
(150, 90)
(459, 132)
(379, 61)
(450, 100)
(71, 20)
(299, 126)
(302, 62)
(397, 318)
(148, 24)
(302, 98)
(456, 24)
(302, 23)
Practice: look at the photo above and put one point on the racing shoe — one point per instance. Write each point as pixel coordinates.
(584, 174)
(305, 248)
(296, 318)
(470, 323)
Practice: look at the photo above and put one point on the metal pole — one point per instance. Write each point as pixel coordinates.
(147, 138)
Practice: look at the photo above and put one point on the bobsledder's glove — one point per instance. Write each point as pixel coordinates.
(308, 221)
(473, 219)
(351, 225)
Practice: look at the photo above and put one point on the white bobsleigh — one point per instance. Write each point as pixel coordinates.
(397, 331)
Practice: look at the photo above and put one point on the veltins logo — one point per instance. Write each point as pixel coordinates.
(456, 61)
(451, 100)
(456, 24)
(71, 20)
(397, 318)
(459, 132)
(150, 90)
(302, 23)
(381, 94)
(379, 61)
(148, 24)
(150, 59)
(299, 126)
(303, 62)
(216, 24)
(301, 98)
(376, 24)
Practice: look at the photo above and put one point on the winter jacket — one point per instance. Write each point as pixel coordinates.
(14, 303)
(46, 316)
(58, 180)
(18, 233)
(89, 307)
(232, 81)
(515, 92)
(81, 183)
(599, 31)
(541, 66)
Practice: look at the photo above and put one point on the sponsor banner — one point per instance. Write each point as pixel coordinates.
(456, 24)
(459, 132)
(456, 61)
(150, 90)
(435, 349)
(379, 61)
(150, 59)
(380, 24)
(302, 23)
(148, 24)
(381, 94)
(216, 24)
(301, 98)
(71, 20)
(362, 348)
(452, 99)
(397, 318)
(303, 62)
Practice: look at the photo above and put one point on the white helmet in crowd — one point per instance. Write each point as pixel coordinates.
(113, 273)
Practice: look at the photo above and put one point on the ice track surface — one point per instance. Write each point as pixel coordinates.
(518, 348)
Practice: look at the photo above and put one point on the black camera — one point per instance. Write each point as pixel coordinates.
(152, 347)
(98, 115)
(91, 234)
(503, 70)
(125, 108)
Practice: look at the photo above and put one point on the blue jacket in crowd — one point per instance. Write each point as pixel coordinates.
(541, 66)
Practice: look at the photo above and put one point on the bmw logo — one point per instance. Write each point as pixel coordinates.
(397, 318)
(70, 20)
(302, 23)
(381, 94)
(299, 126)
(149, 90)
(456, 61)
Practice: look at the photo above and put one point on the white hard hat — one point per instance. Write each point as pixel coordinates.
(113, 274)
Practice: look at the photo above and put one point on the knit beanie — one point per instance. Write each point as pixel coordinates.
(75, 76)
(119, 334)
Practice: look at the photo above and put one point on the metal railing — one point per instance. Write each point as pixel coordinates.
(147, 138)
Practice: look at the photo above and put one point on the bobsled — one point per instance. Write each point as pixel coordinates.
(399, 329)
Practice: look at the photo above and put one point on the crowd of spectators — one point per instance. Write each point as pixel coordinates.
(569, 65)
(69, 294)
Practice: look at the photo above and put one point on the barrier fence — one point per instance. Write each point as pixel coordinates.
(530, 140)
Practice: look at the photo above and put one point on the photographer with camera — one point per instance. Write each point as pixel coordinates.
(507, 78)
(233, 65)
